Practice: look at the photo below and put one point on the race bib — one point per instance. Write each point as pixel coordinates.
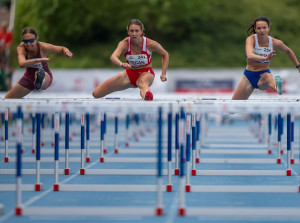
(262, 51)
(37, 65)
(137, 60)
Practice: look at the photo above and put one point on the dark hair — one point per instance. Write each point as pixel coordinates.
(136, 22)
(251, 29)
(29, 30)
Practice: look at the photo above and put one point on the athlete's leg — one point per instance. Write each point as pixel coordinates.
(39, 76)
(144, 81)
(266, 81)
(18, 91)
(116, 83)
(244, 90)
(46, 81)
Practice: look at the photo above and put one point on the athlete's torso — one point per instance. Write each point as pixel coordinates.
(139, 60)
(260, 51)
(263, 51)
(38, 65)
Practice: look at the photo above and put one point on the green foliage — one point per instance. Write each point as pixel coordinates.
(196, 33)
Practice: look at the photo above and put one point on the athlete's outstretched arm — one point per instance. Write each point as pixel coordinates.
(23, 62)
(156, 47)
(57, 49)
(281, 46)
(114, 58)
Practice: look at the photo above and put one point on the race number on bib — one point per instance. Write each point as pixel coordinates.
(262, 51)
(137, 60)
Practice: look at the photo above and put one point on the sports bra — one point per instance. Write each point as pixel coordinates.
(263, 51)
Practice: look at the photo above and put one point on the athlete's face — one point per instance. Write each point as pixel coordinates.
(29, 40)
(134, 31)
(262, 29)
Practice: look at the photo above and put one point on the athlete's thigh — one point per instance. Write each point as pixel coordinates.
(46, 81)
(243, 90)
(265, 81)
(119, 82)
(18, 91)
(116, 83)
(145, 78)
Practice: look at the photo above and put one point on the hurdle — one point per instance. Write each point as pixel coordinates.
(6, 136)
(195, 159)
(176, 171)
(182, 136)
(18, 209)
(188, 152)
(147, 211)
(2, 129)
(33, 118)
(183, 210)
(170, 118)
(225, 212)
(38, 185)
(116, 142)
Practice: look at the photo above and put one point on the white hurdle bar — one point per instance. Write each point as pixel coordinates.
(204, 108)
(20, 210)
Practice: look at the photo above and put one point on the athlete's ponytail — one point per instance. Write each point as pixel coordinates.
(251, 29)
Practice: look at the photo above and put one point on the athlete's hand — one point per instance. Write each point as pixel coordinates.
(163, 77)
(270, 56)
(126, 66)
(67, 52)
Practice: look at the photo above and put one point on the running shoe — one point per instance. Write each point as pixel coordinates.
(278, 81)
(39, 79)
(148, 96)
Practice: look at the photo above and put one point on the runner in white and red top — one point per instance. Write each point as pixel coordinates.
(137, 51)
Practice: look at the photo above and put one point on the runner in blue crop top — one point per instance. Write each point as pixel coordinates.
(260, 49)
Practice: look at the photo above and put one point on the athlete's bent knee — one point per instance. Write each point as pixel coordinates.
(94, 95)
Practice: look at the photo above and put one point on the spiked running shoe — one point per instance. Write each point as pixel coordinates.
(148, 96)
(278, 81)
(39, 79)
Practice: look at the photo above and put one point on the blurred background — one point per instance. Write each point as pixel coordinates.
(205, 38)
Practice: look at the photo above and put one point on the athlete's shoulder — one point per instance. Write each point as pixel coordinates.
(149, 40)
(125, 40)
(251, 37)
(123, 45)
(151, 43)
(44, 45)
(277, 43)
(275, 40)
(21, 48)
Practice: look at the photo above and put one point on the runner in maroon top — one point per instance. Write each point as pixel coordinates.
(137, 51)
(33, 55)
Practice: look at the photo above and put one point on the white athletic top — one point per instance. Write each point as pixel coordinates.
(263, 51)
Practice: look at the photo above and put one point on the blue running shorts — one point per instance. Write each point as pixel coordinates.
(253, 76)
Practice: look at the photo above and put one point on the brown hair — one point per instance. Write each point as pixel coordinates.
(251, 29)
(29, 30)
(136, 22)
